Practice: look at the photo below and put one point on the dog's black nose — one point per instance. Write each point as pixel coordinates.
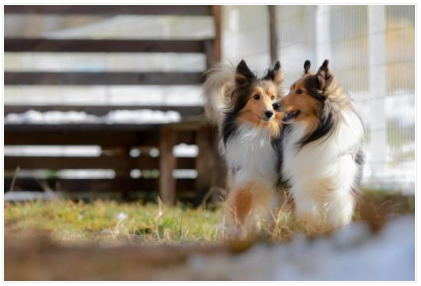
(268, 113)
(277, 106)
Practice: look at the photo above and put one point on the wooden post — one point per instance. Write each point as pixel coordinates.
(167, 164)
(204, 163)
(123, 154)
(216, 12)
(273, 34)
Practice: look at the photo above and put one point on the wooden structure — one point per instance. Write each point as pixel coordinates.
(118, 140)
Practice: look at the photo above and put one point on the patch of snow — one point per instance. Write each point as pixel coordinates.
(86, 174)
(141, 116)
(190, 174)
(64, 151)
(50, 117)
(184, 150)
(352, 253)
(154, 152)
(113, 117)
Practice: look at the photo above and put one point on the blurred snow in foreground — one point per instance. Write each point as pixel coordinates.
(114, 117)
(352, 253)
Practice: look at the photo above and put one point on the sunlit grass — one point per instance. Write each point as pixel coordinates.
(103, 221)
(110, 221)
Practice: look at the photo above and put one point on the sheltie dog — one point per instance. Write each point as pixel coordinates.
(242, 106)
(321, 157)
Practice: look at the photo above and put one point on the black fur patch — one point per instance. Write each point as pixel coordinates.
(359, 160)
(244, 75)
(327, 123)
(328, 117)
(229, 127)
(241, 96)
(271, 73)
(307, 66)
(277, 145)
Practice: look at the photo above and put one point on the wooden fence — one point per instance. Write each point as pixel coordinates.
(116, 140)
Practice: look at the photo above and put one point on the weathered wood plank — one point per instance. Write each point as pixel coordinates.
(217, 18)
(273, 34)
(103, 46)
(81, 135)
(205, 164)
(101, 162)
(167, 164)
(182, 10)
(100, 110)
(102, 78)
(95, 185)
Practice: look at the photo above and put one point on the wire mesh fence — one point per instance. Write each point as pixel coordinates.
(372, 54)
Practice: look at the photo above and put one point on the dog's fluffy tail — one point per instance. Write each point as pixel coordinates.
(218, 89)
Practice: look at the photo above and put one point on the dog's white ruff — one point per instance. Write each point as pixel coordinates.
(322, 174)
(250, 153)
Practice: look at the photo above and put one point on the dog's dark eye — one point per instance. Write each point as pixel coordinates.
(256, 97)
(299, 91)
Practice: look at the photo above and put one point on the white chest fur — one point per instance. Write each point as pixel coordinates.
(250, 153)
(322, 173)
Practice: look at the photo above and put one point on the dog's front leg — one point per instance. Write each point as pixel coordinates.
(248, 208)
(239, 204)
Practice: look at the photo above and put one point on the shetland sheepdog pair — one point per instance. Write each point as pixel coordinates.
(306, 144)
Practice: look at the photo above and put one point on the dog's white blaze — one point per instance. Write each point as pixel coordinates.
(323, 172)
(250, 152)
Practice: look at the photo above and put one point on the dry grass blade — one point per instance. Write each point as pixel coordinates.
(15, 175)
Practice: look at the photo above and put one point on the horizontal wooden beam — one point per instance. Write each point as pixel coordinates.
(107, 135)
(82, 163)
(101, 110)
(102, 78)
(94, 185)
(182, 10)
(104, 46)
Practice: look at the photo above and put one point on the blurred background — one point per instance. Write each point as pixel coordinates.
(103, 108)
(147, 62)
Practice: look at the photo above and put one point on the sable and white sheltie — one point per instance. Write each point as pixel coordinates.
(320, 150)
(242, 106)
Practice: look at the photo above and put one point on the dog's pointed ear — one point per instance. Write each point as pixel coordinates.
(276, 75)
(324, 76)
(307, 66)
(243, 74)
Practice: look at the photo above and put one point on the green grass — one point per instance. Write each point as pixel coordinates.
(113, 222)
(110, 221)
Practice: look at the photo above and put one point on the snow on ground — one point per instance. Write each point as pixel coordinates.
(113, 117)
(352, 253)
